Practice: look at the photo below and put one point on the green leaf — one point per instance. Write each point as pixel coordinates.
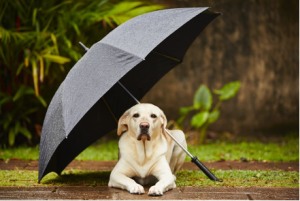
(185, 110)
(22, 91)
(203, 98)
(27, 112)
(56, 58)
(180, 120)
(20, 68)
(74, 25)
(11, 137)
(27, 119)
(213, 116)
(116, 19)
(34, 16)
(53, 37)
(17, 127)
(42, 101)
(35, 77)
(6, 123)
(124, 7)
(228, 91)
(4, 100)
(107, 19)
(199, 119)
(58, 6)
(25, 132)
(144, 9)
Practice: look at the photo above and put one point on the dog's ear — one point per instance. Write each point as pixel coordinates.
(163, 120)
(123, 123)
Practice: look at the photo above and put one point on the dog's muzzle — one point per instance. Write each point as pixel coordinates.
(141, 136)
(144, 126)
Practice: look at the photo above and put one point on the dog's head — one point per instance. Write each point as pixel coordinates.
(143, 120)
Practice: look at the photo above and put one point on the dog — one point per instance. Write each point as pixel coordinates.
(147, 154)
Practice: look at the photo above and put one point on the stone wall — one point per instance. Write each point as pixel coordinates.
(255, 42)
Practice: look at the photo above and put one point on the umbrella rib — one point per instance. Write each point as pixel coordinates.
(109, 110)
(169, 57)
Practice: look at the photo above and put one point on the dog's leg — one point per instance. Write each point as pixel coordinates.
(178, 155)
(177, 159)
(166, 180)
(118, 179)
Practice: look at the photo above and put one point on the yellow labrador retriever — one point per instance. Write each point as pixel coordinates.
(147, 154)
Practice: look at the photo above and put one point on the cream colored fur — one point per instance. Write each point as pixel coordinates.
(143, 162)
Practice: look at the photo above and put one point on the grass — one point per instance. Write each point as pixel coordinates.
(251, 151)
(239, 178)
(101, 151)
(232, 178)
(287, 150)
(22, 152)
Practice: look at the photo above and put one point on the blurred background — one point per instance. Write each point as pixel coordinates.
(255, 42)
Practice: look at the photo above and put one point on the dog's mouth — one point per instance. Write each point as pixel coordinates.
(144, 136)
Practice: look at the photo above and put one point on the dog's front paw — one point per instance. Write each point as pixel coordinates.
(136, 189)
(154, 190)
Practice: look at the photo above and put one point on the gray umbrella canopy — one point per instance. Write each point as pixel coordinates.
(89, 101)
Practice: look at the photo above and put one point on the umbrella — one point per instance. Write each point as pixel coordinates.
(89, 102)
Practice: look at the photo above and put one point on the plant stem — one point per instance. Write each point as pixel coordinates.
(217, 105)
(196, 136)
(205, 126)
(203, 133)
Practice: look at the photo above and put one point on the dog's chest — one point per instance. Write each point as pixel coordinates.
(143, 156)
(144, 170)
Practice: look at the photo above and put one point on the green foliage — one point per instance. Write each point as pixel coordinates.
(203, 100)
(39, 45)
(228, 90)
(199, 119)
(213, 116)
(184, 111)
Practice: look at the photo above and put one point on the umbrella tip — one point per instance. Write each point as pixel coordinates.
(82, 45)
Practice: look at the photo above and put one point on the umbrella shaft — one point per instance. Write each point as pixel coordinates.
(138, 102)
(184, 149)
(83, 46)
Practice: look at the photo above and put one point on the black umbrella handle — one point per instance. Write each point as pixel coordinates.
(206, 171)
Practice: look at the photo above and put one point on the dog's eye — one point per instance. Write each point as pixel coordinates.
(153, 116)
(136, 115)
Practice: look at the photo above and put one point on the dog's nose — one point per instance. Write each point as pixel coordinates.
(144, 125)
